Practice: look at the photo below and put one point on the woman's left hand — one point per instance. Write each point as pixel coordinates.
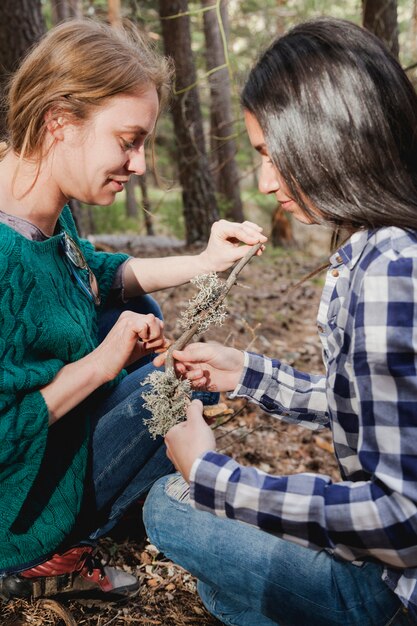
(224, 246)
(188, 440)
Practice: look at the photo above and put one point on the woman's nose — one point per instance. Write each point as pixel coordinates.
(268, 179)
(136, 163)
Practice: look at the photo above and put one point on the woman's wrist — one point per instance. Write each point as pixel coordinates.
(238, 366)
(202, 263)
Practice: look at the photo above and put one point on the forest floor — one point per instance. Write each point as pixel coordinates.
(264, 316)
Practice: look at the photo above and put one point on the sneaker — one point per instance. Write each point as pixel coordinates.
(76, 572)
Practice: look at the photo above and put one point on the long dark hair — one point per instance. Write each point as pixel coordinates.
(339, 117)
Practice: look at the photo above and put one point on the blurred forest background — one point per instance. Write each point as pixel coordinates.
(203, 156)
(208, 170)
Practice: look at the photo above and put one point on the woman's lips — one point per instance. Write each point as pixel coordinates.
(118, 185)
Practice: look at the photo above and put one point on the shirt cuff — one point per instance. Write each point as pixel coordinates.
(252, 379)
(118, 280)
(209, 480)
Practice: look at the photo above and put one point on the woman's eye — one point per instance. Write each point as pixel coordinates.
(128, 145)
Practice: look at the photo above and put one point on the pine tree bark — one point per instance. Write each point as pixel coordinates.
(114, 12)
(199, 202)
(380, 17)
(223, 145)
(146, 205)
(21, 25)
(132, 209)
(62, 10)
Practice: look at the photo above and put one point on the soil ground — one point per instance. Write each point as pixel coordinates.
(264, 316)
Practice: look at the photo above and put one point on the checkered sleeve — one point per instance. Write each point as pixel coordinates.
(374, 516)
(283, 391)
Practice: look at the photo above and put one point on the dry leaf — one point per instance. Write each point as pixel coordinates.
(215, 410)
(197, 610)
(324, 444)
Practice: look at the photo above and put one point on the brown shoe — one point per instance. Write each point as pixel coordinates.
(76, 572)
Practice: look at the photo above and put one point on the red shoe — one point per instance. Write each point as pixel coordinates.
(77, 572)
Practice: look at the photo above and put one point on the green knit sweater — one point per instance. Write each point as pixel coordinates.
(46, 321)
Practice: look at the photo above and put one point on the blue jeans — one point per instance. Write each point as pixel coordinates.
(124, 459)
(247, 576)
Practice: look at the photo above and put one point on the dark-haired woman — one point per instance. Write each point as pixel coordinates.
(334, 119)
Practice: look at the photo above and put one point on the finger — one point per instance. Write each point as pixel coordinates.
(245, 233)
(195, 410)
(159, 360)
(155, 328)
(159, 344)
(168, 453)
(193, 352)
(253, 225)
(194, 375)
(163, 348)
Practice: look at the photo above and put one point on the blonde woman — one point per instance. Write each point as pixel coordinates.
(74, 451)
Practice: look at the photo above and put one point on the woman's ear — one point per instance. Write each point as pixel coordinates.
(55, 125)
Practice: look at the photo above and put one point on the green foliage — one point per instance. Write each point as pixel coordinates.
(112, 219)
(253, 24)
(166, 209)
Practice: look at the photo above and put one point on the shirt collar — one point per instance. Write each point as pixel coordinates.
(22, 226)
(350, 252)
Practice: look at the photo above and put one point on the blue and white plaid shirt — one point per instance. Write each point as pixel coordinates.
(367, 322)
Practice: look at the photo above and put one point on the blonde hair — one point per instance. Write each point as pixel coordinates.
(75, 68)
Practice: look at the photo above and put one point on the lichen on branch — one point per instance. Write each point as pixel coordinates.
(209, 290)
(168, 400)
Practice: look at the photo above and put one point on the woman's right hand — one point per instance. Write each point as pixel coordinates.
(132, 337)
(210, 366)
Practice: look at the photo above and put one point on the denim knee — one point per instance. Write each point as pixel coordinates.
(229, 611)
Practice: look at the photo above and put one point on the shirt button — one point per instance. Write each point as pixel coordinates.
(339, 259)
(320, 329)
(335, 273)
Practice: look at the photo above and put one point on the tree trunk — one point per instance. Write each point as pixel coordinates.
(21, 25)
(146, 205)
(132, 209)
(62, 10)
(221, 116)
(380, 17)
(114, 12)
(281, 23)
(281, 229)
(199, 202)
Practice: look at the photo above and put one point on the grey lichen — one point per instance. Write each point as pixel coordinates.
(169, 397)
(167, 401)
(209, 289)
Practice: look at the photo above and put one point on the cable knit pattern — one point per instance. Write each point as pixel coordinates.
(46, 322)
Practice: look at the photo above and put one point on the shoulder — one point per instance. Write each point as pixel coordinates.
(390, 251)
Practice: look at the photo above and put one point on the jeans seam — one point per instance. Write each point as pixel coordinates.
(116, 459)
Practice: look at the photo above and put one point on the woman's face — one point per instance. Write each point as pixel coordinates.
(93, 160)
(270, 180)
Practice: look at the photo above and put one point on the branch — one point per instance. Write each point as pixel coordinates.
(186, 337)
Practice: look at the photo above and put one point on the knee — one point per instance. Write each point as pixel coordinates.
(164, 510)
(152, 507)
